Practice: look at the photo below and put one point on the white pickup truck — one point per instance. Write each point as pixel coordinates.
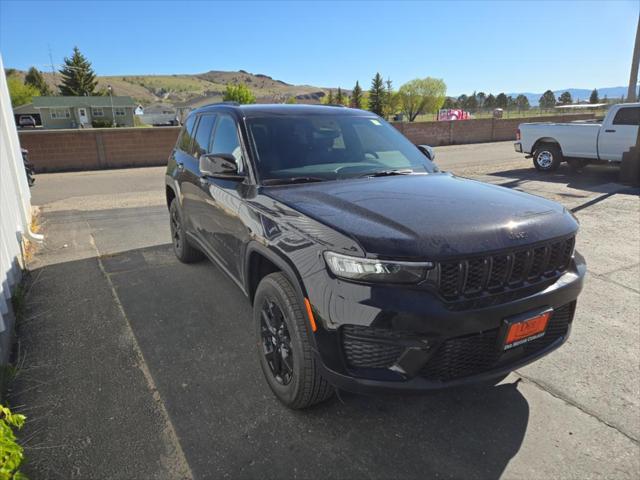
(580, 142)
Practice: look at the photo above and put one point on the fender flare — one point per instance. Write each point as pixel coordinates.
(279, 261)
(546, 140)
(171, 183)
(292, 275)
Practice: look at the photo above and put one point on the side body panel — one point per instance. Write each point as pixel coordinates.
(575, 139)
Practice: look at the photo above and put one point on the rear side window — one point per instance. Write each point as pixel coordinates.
(203, 135)
(185, 140)
(627, 116)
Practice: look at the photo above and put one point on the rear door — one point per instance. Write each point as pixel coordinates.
(180, 157)
(193, 206)
(620, 134)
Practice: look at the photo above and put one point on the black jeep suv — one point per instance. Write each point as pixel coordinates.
(368, 268)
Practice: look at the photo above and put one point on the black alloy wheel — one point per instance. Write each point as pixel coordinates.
(181, 246)
(284, 344)
(276, 342)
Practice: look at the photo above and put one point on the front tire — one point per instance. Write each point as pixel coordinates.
(183, 250)
(287, 360)
(547, 157)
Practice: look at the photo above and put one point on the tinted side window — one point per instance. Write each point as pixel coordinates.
(184, 142)
(627, 116)
(203, 135)
(226, 138)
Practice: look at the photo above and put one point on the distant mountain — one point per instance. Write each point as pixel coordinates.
(199, 89)
(576, 94)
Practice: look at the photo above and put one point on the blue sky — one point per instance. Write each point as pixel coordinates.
(490, 46)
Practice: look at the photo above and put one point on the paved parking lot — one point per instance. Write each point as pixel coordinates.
(132, 365)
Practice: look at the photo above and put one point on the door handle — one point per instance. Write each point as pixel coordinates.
(609, 131)
(180, 165)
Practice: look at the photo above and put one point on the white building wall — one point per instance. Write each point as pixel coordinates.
(15, 212)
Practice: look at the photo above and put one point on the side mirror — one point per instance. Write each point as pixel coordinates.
(219, 165)
(428, 152)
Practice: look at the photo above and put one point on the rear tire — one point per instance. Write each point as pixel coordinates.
(287, 360)
(183, 250)
(547, 157)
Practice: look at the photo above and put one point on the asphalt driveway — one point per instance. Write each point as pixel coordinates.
(132, 365)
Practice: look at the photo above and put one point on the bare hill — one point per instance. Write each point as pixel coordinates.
(199, 89)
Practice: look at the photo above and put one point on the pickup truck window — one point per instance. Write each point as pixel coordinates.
(627, 116)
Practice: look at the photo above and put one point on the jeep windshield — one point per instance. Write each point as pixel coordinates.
(312, 148)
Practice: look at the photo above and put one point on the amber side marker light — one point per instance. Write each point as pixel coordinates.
(312, 320)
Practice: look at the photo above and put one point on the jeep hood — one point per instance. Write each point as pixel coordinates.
(428, 216)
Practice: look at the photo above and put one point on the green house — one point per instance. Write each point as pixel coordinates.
(84, 112)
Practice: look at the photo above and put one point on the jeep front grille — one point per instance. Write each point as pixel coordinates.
(472, 277)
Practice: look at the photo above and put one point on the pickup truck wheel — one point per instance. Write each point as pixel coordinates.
(185, 252)
(284, 349)
(547, 158)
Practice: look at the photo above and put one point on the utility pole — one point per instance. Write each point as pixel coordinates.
(53, 70)
(630, 167)
(113, 115)
(635, 61)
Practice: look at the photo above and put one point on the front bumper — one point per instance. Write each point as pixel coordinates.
(393, 339)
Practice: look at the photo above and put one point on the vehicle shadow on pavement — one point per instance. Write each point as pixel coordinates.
(592, 178)
(193, 327)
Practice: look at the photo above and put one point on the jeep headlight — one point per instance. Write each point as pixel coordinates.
(372, 270)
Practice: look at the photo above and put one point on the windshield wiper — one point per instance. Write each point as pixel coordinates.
(285, 181)
(388, 173)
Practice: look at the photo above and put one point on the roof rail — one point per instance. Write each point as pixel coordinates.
(234, 104)
(334, 105)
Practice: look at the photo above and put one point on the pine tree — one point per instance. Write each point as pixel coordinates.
(391, 100)
(522, 103)
(547, 100)
(376, 95)
(35, 78)
(339, 97)
(490, 102)
(78, 78)
(565, 98)
(450, 102)
(356, 96)
(329, 98)
(472, 103)
(502, 101)
(480, 98)
(594, 97)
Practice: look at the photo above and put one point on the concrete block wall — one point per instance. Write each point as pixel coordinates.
(474, 131)
(98, 148)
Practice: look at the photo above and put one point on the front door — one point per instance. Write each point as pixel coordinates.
(82, 116)
(620, 135)
(220, 223)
